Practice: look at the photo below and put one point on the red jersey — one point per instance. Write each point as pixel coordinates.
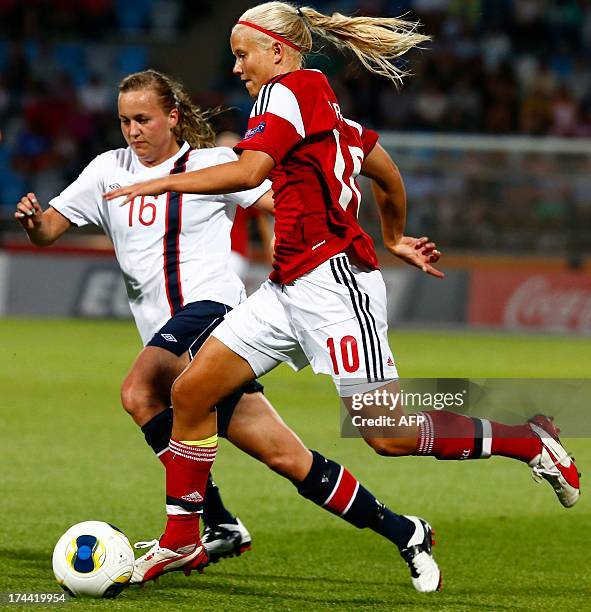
(239, 235)
(297, 121)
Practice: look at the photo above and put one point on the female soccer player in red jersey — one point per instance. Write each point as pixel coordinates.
(324, 303)
(174, 255)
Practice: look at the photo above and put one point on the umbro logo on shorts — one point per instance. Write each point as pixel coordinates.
(169, 337)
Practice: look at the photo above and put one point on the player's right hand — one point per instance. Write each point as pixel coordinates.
(418, 252)
(28, 212)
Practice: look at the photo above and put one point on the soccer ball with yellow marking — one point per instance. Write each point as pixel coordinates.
(93, 559)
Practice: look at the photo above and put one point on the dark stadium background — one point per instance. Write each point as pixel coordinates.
(492, 132)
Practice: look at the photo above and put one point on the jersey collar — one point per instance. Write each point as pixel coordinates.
(165, 164)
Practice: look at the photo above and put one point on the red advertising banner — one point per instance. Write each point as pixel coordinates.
(520, 300)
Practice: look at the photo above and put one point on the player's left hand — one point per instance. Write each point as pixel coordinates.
(155, 187)
(419, 252)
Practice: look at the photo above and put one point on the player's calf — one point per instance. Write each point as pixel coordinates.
(392, 447)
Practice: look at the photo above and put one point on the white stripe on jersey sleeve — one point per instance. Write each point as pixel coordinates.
(354, 124)
(277, 99)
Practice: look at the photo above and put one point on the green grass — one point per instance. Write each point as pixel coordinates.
(69, 453)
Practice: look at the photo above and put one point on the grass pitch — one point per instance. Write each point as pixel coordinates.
(69, 453)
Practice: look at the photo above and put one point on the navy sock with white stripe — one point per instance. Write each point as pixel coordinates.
(334, 488)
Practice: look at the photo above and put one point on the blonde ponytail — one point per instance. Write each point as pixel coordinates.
(376, 41)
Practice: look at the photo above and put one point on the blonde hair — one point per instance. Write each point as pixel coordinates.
(376, 41)
(193, 125)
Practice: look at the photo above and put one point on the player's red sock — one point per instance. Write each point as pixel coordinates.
(447, 435)
(187, 470)
(515, 441)
(181, 530)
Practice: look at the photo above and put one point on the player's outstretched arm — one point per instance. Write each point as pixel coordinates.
(389, 193)
(43, 228)
(248, 172)
(390, 196)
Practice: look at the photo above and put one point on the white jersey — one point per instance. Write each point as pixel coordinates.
(172, 249)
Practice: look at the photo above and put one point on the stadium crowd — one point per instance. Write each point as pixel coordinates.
(59, 60)
(494, 66)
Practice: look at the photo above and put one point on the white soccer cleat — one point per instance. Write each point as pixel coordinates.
(554, 464)
(425, 574)
(159, 560)
(226, 540)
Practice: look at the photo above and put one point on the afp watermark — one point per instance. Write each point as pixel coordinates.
(390, 409)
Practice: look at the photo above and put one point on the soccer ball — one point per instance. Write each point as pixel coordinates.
(94, 559)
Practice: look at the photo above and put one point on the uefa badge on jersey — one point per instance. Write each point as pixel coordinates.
(255, 130)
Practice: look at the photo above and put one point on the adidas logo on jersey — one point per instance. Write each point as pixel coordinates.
(169, 337)
(193, 497)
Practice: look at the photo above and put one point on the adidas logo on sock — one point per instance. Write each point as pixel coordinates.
(193, 497)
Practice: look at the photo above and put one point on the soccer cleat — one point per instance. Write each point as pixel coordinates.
(553, 463)
(425, 574)
(159, 560)
(226, 540)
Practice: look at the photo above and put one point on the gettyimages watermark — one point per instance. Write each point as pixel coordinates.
(388, 409)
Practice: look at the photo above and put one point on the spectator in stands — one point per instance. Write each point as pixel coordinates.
(564, 112)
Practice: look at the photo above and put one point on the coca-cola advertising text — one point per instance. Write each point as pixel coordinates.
(557, 302)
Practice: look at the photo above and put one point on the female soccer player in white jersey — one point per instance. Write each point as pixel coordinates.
(324, 303)
(173, 252)
(172, 255)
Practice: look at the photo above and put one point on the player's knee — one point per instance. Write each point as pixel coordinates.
(139, 401)
(129, 397)
(187, 395)
(179, 395)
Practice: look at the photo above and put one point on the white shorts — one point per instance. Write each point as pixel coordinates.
(333, 318)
